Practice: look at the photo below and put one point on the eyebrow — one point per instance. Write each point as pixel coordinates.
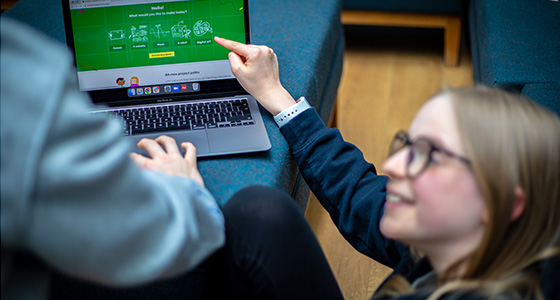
(436, 141)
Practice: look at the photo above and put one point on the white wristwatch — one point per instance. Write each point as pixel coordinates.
(286, 115)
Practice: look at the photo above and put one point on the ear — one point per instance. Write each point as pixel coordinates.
(519, 203)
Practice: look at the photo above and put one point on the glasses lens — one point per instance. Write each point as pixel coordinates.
(419, 157)
(399, 141)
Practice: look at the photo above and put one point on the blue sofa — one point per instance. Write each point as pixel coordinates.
(308, 39)
(515, 46)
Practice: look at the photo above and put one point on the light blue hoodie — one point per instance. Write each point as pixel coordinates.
(70, 194)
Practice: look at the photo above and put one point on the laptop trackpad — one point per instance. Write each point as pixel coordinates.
(198, 138)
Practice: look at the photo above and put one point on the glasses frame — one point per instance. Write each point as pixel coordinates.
(405, 141)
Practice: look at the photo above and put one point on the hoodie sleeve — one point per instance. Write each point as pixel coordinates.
(70, 193)
(345, 184)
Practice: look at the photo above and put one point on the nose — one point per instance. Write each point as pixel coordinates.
(395, 165)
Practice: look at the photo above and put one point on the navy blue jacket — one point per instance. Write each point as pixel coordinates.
(349, 188)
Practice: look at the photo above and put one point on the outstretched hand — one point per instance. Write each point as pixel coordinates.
(256, 69)
(166, 158)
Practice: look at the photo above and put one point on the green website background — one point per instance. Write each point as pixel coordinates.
(125, 36)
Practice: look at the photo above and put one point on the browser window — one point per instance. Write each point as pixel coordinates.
(131, 43)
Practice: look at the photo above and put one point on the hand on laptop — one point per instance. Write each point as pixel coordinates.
(166, 158)
(256, 69)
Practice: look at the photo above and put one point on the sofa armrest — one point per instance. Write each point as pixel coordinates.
(545, 94)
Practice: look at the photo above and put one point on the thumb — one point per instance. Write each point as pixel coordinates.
(236, 63)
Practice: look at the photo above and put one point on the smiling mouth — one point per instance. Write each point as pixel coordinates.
(391, 198)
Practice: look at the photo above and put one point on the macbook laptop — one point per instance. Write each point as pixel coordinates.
(155, 66)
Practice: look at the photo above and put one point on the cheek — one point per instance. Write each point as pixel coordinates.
(450, 203)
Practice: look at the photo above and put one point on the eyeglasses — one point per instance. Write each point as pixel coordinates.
(420, 154)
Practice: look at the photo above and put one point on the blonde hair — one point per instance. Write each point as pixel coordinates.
(511, 142)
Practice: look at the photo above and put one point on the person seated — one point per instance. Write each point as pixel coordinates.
(469, 207)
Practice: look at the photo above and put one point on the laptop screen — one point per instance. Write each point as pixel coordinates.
(138, 49)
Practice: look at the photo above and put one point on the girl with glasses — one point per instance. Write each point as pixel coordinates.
(470, 208)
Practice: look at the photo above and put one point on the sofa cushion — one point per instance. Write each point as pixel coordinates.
(545, 94)
(515, 42)
(307, 37)
(455, 7)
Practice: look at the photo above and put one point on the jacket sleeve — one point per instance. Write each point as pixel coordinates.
(70, 193)
(345, 184)
(97, 216)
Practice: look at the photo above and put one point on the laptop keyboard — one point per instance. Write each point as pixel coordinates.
(191, 116)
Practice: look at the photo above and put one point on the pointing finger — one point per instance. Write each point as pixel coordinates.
(237, 47)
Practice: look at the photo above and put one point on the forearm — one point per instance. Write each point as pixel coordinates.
(97, 216)
(150, 227)
(345, 184)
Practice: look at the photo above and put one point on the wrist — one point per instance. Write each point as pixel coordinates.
(279, 101)
(291, 112)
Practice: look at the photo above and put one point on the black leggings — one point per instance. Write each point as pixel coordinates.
(270, 253)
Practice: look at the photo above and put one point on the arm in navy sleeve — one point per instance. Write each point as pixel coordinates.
(345, 184)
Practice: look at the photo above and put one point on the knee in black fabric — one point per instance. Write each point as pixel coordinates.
(261, 205)
(271, 251)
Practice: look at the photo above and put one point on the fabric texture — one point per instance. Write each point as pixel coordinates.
(271, 251)
(545, 94)
(70, 194)
(515, 46)
(515, 42)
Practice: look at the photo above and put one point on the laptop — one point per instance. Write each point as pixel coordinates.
(154, 65)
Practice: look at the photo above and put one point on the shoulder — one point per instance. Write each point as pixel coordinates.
(550, 277)
(34, 70)
(477, 295)
(31, 59)
(22, 41)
